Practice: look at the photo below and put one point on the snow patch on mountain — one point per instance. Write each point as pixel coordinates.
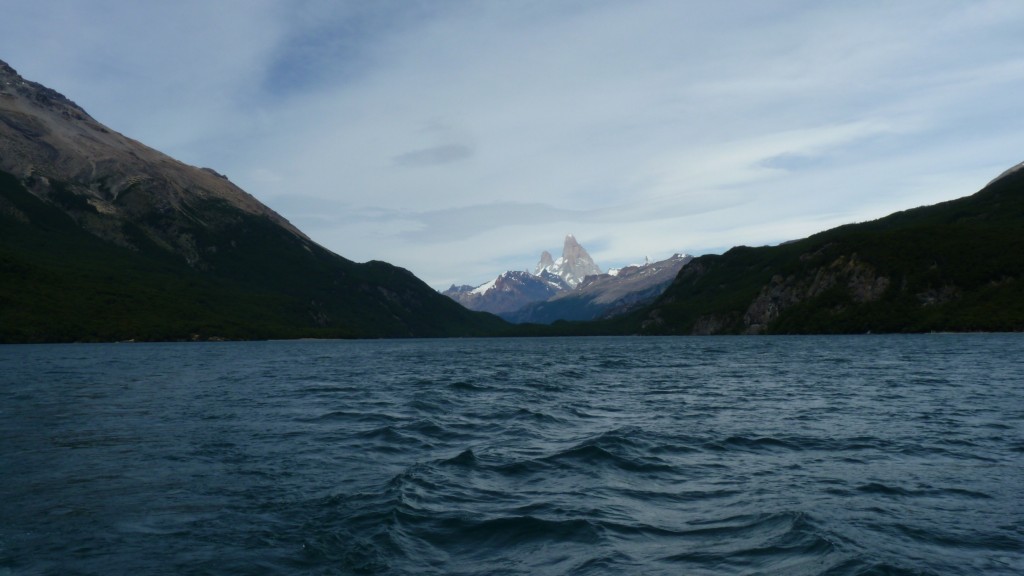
(647, 262)
(483, 288)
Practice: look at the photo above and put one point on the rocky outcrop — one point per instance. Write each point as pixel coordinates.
(857, 278)
(852, 279)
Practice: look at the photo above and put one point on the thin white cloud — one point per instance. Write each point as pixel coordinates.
(441, 154)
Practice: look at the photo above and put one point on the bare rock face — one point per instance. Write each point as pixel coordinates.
(574, 265)
(577, 262)
(545, 263)
(858, 278)
(105, 180)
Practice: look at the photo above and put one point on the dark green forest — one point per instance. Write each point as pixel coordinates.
(956, 266)
(58, 283)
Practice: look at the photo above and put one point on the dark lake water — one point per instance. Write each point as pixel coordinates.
(732, 455)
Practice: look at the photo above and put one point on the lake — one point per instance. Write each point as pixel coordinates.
(691, 455)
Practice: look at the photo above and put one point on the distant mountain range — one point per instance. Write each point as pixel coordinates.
(103, 238)
(605, 295)
(569, 288)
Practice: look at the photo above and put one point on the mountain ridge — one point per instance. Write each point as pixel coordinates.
(952, 266)
(569, 288)
(103, 238)
(45, 136)
(605, 295)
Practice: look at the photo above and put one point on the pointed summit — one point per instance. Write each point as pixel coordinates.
(574, 265)
(576, 262)
(546, 262)
(572, 250)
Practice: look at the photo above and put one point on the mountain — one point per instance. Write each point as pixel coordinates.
(954, 266)
(103, 238)
(508, 292)
(573, 266)
(570, 288)
(605, 295)
(512, 290)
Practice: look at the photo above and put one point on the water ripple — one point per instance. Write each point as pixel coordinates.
(817, 456)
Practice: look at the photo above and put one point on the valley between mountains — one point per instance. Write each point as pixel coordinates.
(105, 239)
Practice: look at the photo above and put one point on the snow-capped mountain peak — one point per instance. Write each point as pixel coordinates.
(548, 293)
(509, 291)
(572, 266)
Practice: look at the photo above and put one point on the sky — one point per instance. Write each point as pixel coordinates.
(459, 139)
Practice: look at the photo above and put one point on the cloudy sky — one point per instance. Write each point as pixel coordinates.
(459, 139)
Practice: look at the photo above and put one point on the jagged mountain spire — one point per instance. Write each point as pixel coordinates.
(574, 265)
(546, 261)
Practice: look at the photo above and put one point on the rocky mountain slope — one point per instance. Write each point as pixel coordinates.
(605, 295)
(512, 290)
(955, 266)
(569, 288)
(104, 180)
(103, 238)
(509, 292)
